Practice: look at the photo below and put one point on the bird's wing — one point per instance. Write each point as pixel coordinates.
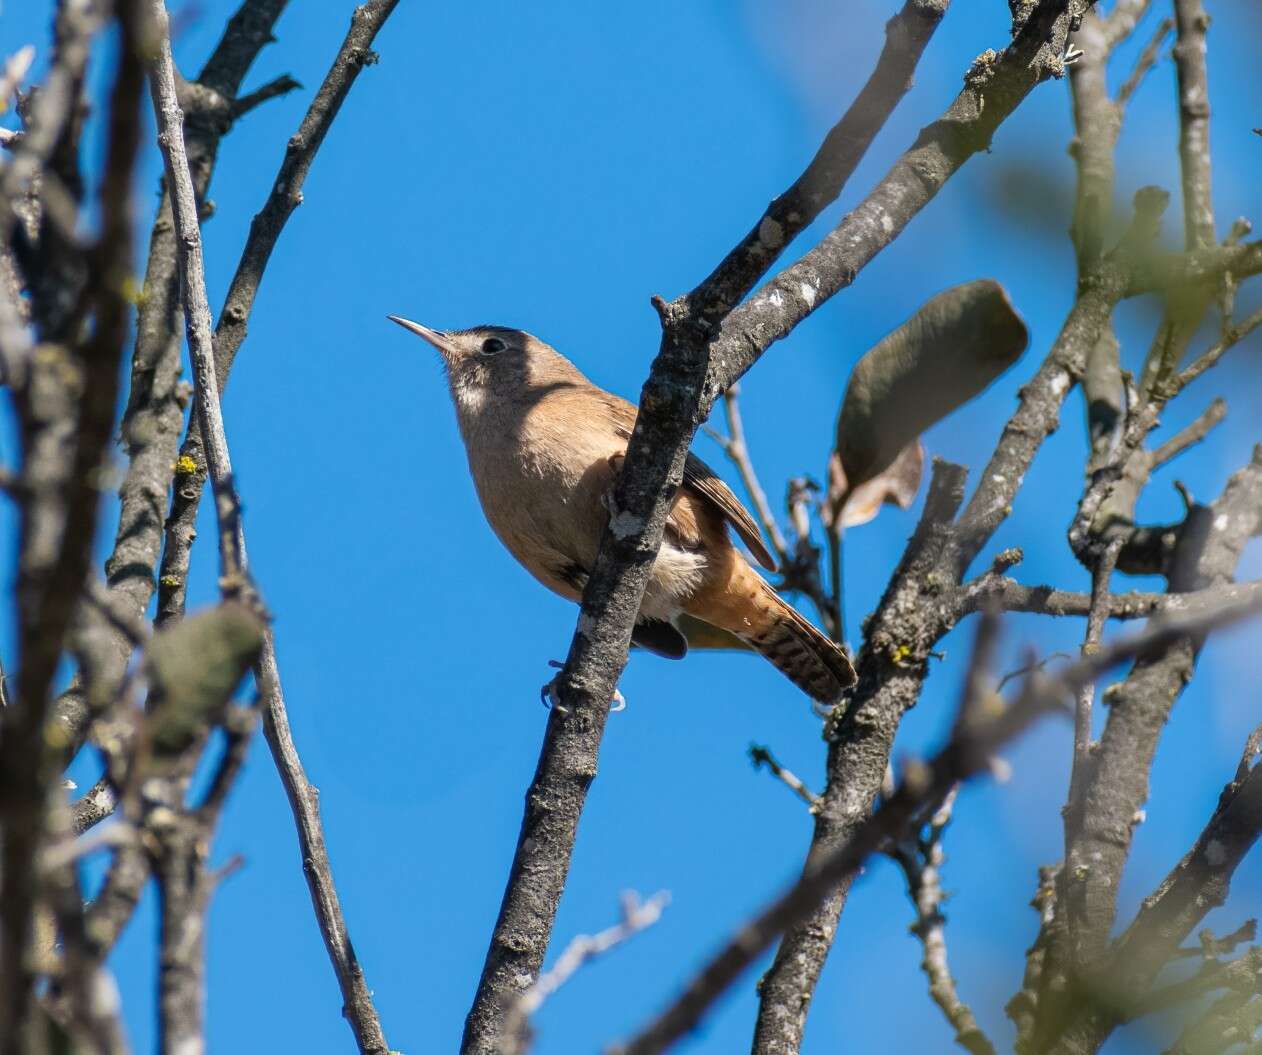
(702, 480)
(704, 483)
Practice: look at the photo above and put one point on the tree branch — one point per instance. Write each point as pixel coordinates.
(157, 398)
(1098, 836)
(912, 616)
(968, 752)
(358, 1005)
(353, 56)
(1012, 596)
(692, 368)
(761, 756)
(1199, 882)
(921, 859)
(636, 916)
(571, 744)
(65, 408)
(906, 36)
(1193, 434)
(1191, 22)
(735, 448)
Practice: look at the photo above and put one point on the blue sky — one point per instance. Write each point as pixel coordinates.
(550, 167)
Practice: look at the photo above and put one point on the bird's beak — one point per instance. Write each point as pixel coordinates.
(437, 338)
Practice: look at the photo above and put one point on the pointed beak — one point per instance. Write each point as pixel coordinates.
(435, 337)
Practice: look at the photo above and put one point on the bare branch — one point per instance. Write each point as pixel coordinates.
(52, 109)
(899, 637)
(656, 453)
(179, 843)
(197, 316)
(1147, 59)
(1122, 20)
(1230, 1021)
(1012, 596)
(158, 397)
(353, 56)
(1098, 837)
(1198, 883)
(304, 801)
(921, 860)
(66, 415)
(906, 35)
(1230, 338)
(358, 1005)
(761, 756)
(924, 788)
(636, 916)
(1096, 615)
(94, 806)
(1191, 22)
(1163, 272)
(272, 89)
(692, 368)
(1193, 434)
(735, 448)
(1210, 947)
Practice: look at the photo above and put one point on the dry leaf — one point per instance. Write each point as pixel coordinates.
(955, 345)
(897, 485)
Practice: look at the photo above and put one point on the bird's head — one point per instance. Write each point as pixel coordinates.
(486, 359)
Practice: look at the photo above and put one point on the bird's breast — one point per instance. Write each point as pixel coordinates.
(541, 475)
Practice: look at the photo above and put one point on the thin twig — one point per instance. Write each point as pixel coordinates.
(1233, 336)
(272, 89)
(1096, 615)
(760, 755)
(197, 317)
(1120, 23)
(93, 806)
(183, 883)
(1033, 666)
(637, 915)
(1210, 947)
(1193, 434)
(921, 857)
(836, 537)
(304, 802)
(1147, 59)
(1011, 596)
(737, 450)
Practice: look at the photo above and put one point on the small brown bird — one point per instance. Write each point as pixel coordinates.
(545, 446)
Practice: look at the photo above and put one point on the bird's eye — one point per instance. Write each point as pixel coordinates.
(492, 345)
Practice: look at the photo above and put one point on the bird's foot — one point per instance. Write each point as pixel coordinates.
(550, 697)
(824, 711)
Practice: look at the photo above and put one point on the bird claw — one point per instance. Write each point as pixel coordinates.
(551, 698)
(824, 711)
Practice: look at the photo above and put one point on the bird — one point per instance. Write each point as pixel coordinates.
(545, 446)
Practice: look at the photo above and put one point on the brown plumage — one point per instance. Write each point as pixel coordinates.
(544, 447)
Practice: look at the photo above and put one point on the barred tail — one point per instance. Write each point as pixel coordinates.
(796, 648)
